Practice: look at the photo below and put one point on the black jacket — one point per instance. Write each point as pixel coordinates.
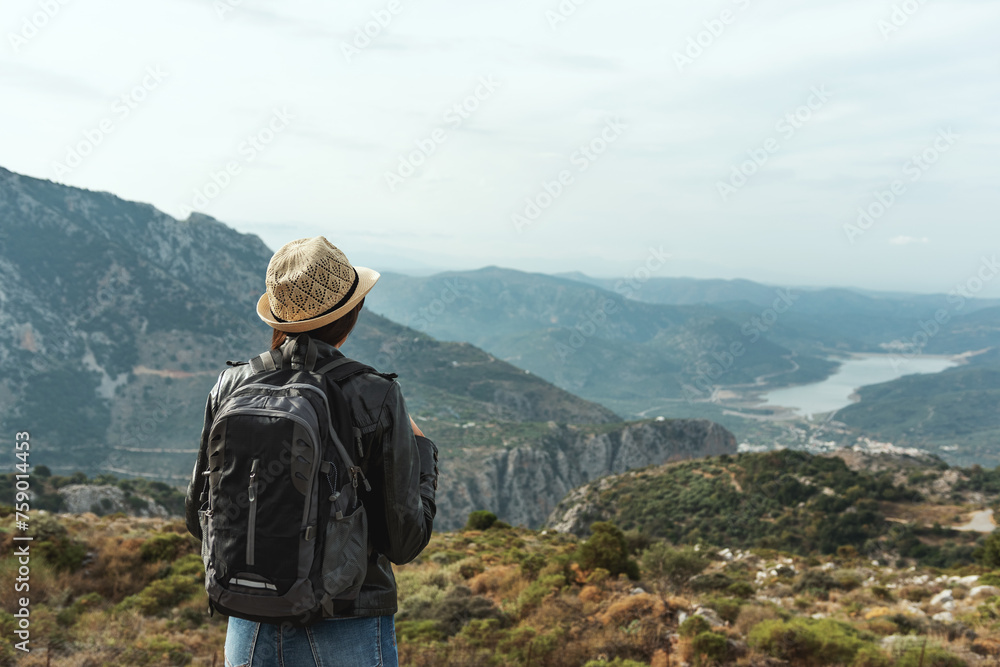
(401, 467)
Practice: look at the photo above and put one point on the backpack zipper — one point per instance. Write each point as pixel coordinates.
(252, 524)
(315, 438)
(355, 471)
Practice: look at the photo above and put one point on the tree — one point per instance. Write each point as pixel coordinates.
(608, 549)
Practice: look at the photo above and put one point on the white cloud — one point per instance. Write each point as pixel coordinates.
(654, 186)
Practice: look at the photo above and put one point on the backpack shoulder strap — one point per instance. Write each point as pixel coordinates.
(342, 368)
(269, 361)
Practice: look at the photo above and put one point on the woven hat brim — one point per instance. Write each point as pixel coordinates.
(366, 281)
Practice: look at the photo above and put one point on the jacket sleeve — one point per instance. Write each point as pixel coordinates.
(408, 467)
(192, 500)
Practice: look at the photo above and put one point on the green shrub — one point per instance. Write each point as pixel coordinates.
(480, 520)
(693, 626)
(607, 548)
(727, 608)
(62, 553)
(741, 589)
(162, 547)
(661, 561)
(815, 582)
(869, 656)
(930, 655)
(710, 646)
(847, 580)
(46, 527)
(458, 606)
(163, 594)
(989, 554)
(540, 589)
(807, 642)
(191, 564)
(989, 579)
(419, 632)
(716, 581)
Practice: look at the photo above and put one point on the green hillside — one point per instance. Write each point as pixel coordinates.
(591, 341)
(793, 501)
(954, 412)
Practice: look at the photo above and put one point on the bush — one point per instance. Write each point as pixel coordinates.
(540, 589)
(63, 554)
(710, 646)
(807, 642)
(459, 606)
(716, 581)
(741, 589)
(693, 626)
(163, 594)
(606, 548)
(419, 632)
(869, 656)
(676, 566)
(989, 554)
(929, 656)
(816, 582)
(727, 608)
(162, 547)
(480, 520)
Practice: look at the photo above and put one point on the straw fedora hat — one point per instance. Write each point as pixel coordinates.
(309, 284)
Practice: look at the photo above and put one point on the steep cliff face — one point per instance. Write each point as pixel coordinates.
(523, 485)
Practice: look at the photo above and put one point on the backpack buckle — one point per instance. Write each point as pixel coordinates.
(310, 532)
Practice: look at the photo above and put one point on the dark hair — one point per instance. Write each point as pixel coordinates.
(331, 333)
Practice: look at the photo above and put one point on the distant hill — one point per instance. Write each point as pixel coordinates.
(709, 348)
(955, 411)
(620, 352)
(883, 506)
(116, 320)
(831, 318)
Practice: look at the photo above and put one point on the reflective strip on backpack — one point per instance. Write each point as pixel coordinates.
(252, 584)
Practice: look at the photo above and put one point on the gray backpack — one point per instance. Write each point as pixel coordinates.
(284, 532)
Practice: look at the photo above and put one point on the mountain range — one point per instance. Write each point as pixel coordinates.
(116, 320)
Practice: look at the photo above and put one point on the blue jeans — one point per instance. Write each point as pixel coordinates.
(353, 642)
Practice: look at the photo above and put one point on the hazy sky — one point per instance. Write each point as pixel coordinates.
(741, 137)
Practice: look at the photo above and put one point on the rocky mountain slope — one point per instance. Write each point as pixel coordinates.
(116, 319)
(522, 484)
